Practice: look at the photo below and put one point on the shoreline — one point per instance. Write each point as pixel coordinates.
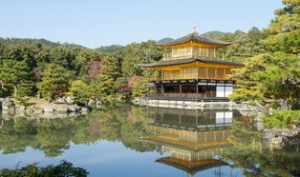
(195, 105)
(39, 108)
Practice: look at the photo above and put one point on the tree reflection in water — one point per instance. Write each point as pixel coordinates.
(192, 138)
(64, 169)
(53, 136)
(250, 153)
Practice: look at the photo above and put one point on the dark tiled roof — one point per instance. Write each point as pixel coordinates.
(194, 37)
(191, 167)
(190, 60)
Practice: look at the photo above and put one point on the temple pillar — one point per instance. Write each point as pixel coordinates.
(157, 88)
(162, 89)
(180, 88)
(180, 119)
(197, 118)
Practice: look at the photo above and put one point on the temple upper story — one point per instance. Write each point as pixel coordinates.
(192, 45)
(192, 57)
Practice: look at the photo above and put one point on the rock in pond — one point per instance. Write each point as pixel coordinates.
(40, 108)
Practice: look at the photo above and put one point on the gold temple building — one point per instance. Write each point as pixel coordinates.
(193, 70)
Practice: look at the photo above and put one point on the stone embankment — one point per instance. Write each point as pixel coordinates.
(276, 138)
(37, 108)
(193, 105)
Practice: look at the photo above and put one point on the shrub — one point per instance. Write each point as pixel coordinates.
(282, 119)
(64, 169)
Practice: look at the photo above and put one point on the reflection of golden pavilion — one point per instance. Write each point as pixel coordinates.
(193, 139)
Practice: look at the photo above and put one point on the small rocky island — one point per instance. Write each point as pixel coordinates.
(39, 108)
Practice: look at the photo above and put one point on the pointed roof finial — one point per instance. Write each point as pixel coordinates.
(195, 29)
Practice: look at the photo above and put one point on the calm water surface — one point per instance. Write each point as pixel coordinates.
(136, 142)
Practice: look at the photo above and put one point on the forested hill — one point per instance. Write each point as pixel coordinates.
(166, 39)
(30, 41)
(244, 44)
(226, 36)
(30, 67)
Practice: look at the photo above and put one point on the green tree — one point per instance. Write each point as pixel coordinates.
(140, 87)
(64, 169)
(17, 76)
(55, 82)
(102, 88)
(269, 80)
(80, 91)
(111, 67)
(62, 56)
(273, 78)
(138, 53)
(81, 66)
(283, 119)
(284, 31)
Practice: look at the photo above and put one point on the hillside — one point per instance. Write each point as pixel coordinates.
(30, 41)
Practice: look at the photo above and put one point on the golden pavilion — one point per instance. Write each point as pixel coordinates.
(192, 69)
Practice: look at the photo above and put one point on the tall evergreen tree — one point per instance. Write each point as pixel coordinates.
(270, 80)
(273, 78)
(15, 75)
(55, 82)
(284, 32)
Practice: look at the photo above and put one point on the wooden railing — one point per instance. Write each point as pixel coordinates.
(188, 78)
(186, 97)
(200, 73)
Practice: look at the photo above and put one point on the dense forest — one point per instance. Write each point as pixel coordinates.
(38, 67)
(271, 78)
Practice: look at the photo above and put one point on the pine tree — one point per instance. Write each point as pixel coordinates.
(273, 78)
(269, 79)
(284, 31)
(55, 82)
(16, 78)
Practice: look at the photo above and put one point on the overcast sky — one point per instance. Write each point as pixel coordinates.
(94, 23)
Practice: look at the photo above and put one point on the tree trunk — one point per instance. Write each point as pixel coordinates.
(2, 84)
(15, 91)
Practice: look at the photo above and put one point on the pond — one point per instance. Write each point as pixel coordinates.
(136, 141)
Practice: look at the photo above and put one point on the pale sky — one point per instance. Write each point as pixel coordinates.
(94, 23)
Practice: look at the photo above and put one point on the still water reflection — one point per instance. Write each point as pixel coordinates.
(193, 140)
(135, 141)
